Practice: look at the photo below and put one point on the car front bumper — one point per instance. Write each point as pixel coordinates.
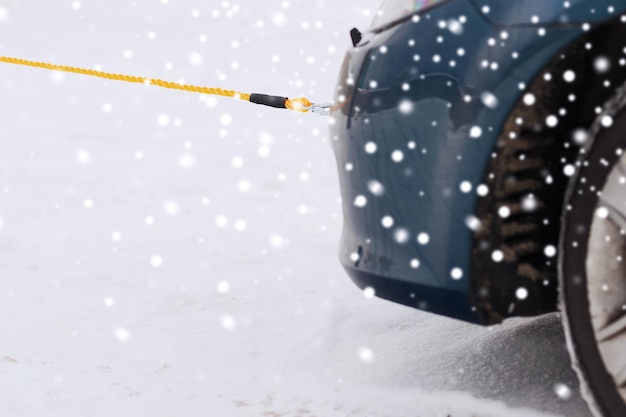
(416, 114)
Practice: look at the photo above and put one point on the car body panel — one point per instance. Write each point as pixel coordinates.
(542, 12)
(431, 121)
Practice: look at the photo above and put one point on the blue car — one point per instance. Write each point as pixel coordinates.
(480, 147)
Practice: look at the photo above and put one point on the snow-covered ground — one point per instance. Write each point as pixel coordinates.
(170, 254)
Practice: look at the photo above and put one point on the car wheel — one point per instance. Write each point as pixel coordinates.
(592, 261)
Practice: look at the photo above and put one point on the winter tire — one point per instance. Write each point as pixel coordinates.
(592, 268)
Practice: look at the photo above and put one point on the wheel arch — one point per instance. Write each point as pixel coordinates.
(527, 167)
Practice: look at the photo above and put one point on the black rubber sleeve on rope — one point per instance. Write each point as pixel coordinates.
(272, 101)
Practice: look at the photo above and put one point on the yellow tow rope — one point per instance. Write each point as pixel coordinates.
(301, 104)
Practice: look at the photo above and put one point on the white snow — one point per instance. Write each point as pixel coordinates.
(136, 278)
(476, 132)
